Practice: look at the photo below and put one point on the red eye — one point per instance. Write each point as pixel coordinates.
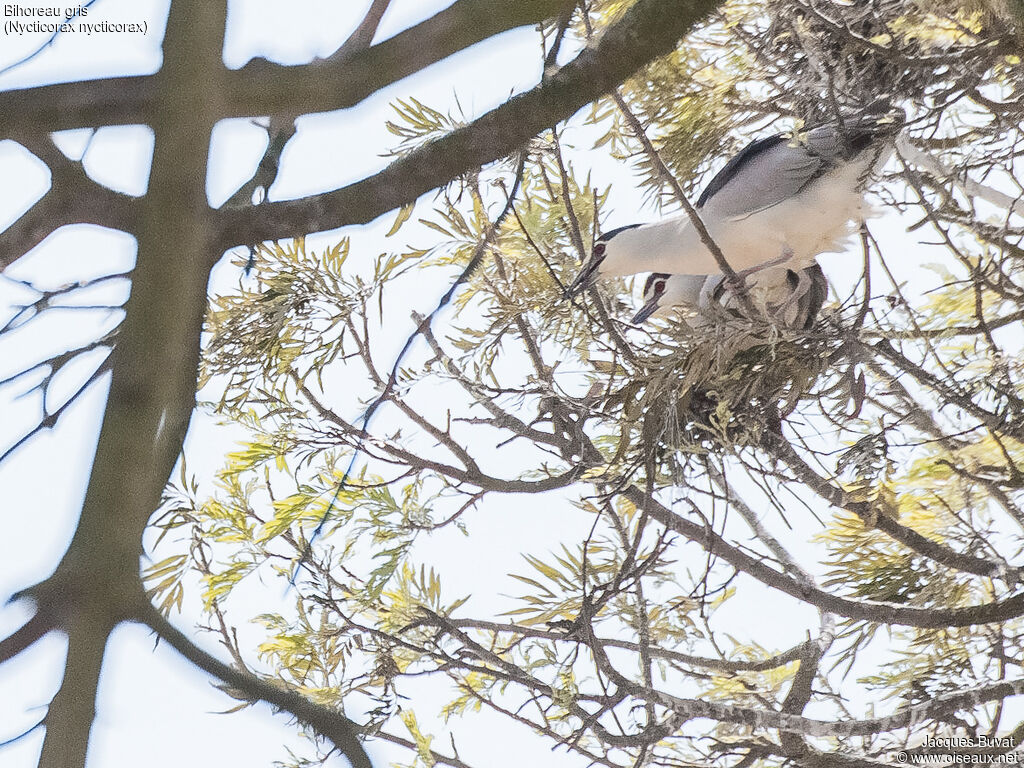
(599, 249)
(659, 287)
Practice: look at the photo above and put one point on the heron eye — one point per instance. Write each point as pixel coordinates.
(599, 249)
(659, 287)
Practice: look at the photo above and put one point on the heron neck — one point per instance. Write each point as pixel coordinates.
(650, 248)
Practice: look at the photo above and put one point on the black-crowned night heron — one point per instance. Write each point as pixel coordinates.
(781, 200)
(792, 298)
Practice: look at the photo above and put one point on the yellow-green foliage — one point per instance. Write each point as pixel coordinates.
(514, 387)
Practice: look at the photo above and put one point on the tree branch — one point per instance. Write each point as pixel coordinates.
(933, 166)
(41, 624)
(262, 88)
(73, 198)
(71, 712)
(152, 391)
(781, 449)
(327, 722)
(934, 708)
(722, 665)
(361, 38)
(649, 29)
(862, 610)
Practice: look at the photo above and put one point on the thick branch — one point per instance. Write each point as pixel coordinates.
(649, 29)
(71, 712)
(73, 198)
(152, 389)
(262, 88)
(114, 101)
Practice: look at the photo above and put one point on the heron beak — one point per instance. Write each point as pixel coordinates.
(646, 311)
(584, 279)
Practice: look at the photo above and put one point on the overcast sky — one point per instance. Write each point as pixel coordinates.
(154, 709)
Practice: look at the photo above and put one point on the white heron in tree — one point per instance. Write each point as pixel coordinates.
(781, 201)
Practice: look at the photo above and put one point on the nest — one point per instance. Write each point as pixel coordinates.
(857, 51)
(720, 388)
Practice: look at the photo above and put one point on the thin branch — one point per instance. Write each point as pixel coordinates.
(971, 189)
(50, 419)
(935, 708)
(948, 391)
(361, 38)
(667, 177)
(723, 665)
(953, 330)
(76, 12)
(862, 610)
(327, 722)
(422, 326)
(781, 448)
(37, 627)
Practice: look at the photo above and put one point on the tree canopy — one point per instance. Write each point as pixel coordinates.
(742, 546)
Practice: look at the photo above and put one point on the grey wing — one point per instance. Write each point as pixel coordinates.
(766, 179)
(809, 288)
(811, 302)
(829, 142)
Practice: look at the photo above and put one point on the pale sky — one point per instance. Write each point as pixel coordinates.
(154, 709)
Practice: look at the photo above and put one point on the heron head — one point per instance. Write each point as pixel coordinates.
(654, 290)
(588, 274)
(603, 247)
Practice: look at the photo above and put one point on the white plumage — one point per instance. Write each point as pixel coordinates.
(781, 200)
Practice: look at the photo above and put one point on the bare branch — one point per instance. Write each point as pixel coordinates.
(781, 448)
(649, 29)
(262, 88)
(152, 389)
(25, 636)
(361, 38)
(327, 722)
(861, 610)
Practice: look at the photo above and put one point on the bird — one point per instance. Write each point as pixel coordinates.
(793, 297)
(783, 200)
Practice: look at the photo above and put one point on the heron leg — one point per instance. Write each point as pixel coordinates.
(787, 254)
